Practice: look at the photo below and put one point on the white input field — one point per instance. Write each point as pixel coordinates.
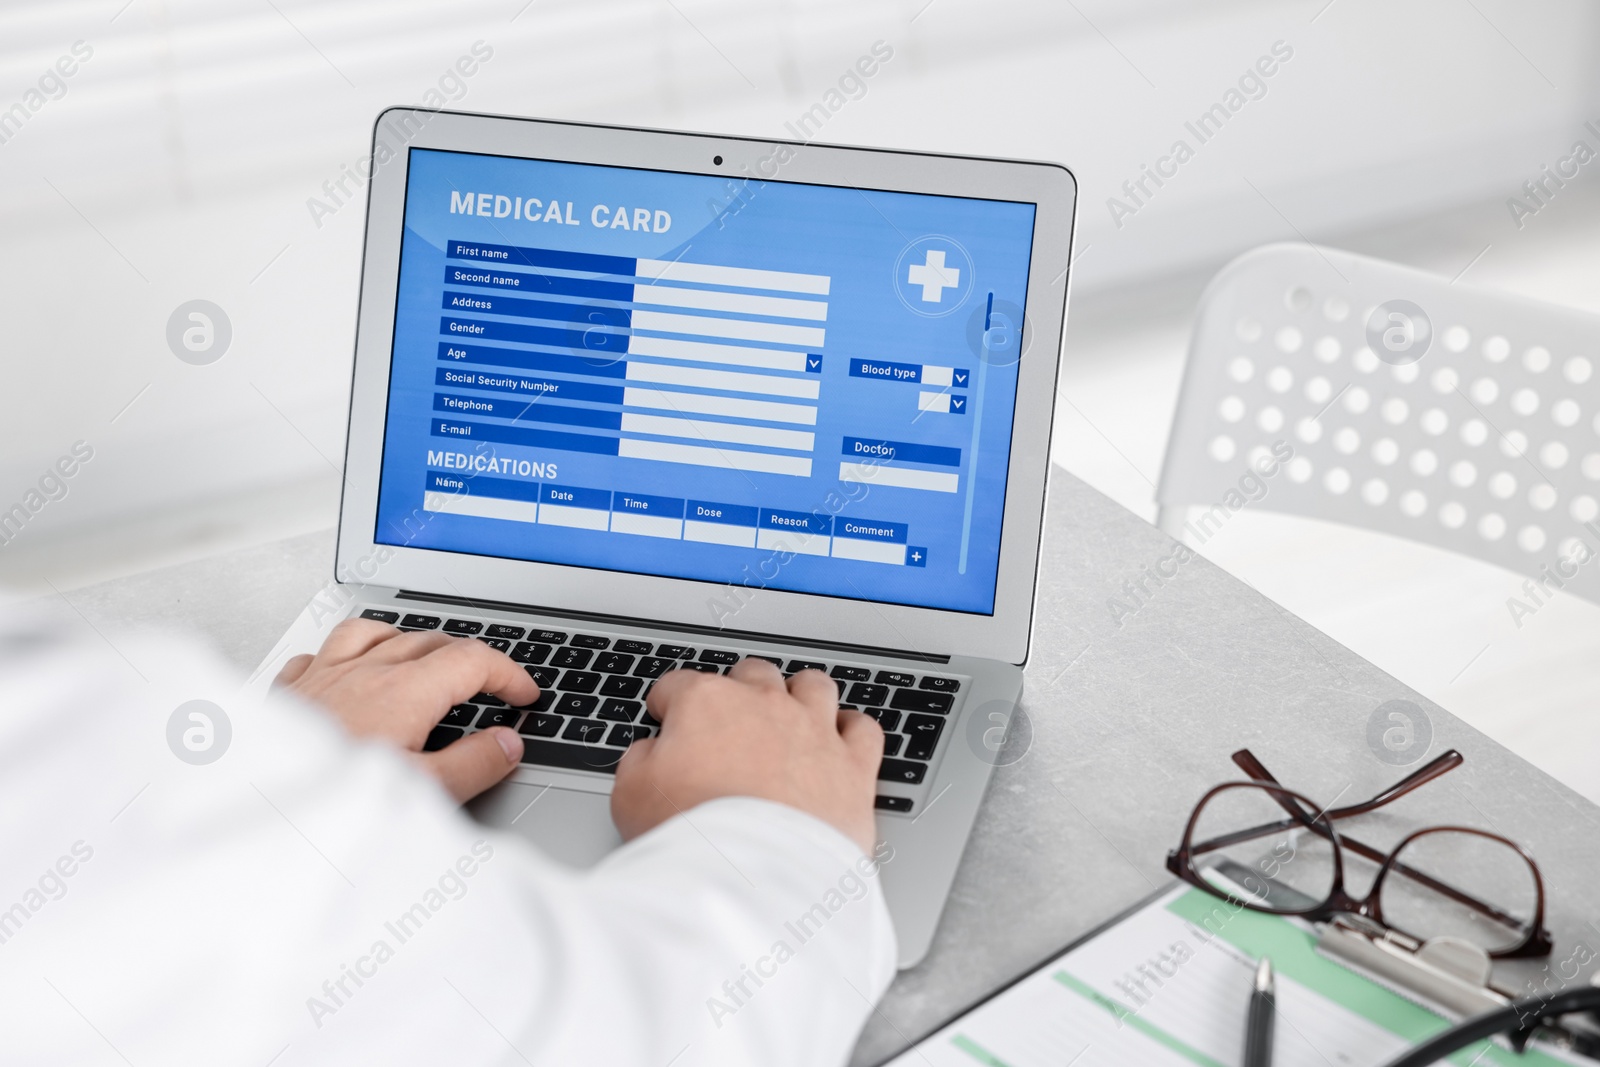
(939, 402)
(901, 477)
(778, 307)
(646, 525)
(795, 541)
(935, 375)
(732, 406)
(743, 277)
(722, 458)
(710, 352)
(733, 381)
(706, 430)
(579, 518)
(869, 551)
(482, 507)
(738, 329)
(719, 533)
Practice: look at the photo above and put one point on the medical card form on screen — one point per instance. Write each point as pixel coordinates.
(789, 386)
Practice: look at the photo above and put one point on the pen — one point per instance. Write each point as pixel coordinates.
(1258, 1028)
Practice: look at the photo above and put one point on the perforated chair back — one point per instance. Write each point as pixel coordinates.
(1335, 386)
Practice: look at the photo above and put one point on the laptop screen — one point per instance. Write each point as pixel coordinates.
(756, 383)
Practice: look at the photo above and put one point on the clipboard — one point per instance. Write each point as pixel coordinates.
(1166, 983)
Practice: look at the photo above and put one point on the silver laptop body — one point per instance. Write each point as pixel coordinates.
(628, 401)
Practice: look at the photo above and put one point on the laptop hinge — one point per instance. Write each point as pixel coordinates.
(652, 624)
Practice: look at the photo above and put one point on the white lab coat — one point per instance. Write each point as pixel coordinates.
(310, 899)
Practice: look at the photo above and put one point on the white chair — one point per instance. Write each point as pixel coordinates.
(1465, 418)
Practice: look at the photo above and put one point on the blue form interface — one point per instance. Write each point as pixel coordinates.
(758, 383)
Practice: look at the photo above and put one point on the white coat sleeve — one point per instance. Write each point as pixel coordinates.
(304, 898)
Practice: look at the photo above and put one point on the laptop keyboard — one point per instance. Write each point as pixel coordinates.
(592, 691)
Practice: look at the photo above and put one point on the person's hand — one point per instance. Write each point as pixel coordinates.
(380, 682)
(748, 734)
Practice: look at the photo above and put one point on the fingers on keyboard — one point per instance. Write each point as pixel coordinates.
(591, 691)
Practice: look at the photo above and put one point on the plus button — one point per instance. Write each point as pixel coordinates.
(934, 276)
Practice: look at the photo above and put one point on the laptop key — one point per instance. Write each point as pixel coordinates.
(586, 730)
(421, 622)
(891, 744)
(851, 674)
(499, 644)
(545, 676)
(618, 686)
(941, 685)
(542, 702)
(674, 651)
(652, 667)
(649, 720)
(501, 630)
(619, 710)
(900, 804)
(614, 663)
(899, 770)
(441, 736)
(921, 700)
(797, 665)
(549, 637)
(570, 757)
(632, 648)
(717, 655)
(867, 693)
(923, 731)
(485, 698)
(462, 626)
(576, 658)
(528, 652)
(703, 668)
(379, 615)
(578, 704)
(591, 641)
(460, 715)
(625, 735)
(579, 682)
(498, 717)
(895, 678)
(887, 718)
(542, 725)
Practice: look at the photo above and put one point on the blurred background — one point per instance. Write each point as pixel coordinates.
(209, 150)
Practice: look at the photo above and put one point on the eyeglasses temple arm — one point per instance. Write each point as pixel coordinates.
(1442, 764)
(1247, 762)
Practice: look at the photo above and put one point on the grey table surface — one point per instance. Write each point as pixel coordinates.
(1128, 721)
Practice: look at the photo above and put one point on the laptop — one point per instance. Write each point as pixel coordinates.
(632, 401)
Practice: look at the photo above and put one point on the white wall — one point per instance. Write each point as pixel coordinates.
(179, 162)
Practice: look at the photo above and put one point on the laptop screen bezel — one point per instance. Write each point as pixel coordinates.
(1002, 635)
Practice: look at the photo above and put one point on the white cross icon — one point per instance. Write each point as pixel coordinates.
(934, 276)
(916, 557)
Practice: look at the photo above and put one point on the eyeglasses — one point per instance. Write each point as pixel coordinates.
(1263, 847)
